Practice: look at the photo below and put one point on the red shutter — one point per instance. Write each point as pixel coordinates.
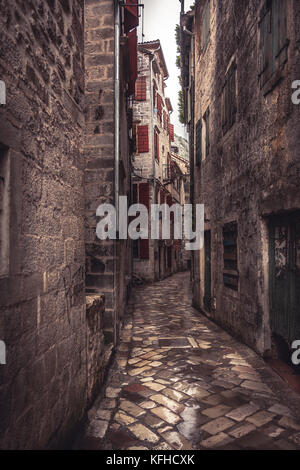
(140, 89)
(144, 194)
(156, 146)
(131, 15)
(133, 67)
(171, 131)
(143, 139)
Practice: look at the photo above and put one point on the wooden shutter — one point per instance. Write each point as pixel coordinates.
(171, 132)
(140, 89)
(143, 139)
(205, 24)
(198, 142)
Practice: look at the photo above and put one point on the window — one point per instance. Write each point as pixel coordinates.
(140, 89)
(206, 121)
(205, 25)
(229, 99)
(273, 38)
(4, 210)
(230, 254)
(198, 142)
(159, 106)
(143, 139)
(156, 145)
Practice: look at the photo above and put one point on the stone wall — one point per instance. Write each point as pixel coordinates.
(107, 267)
(42, 313)
(252, 170)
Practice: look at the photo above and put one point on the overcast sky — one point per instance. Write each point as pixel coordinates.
(161, 17)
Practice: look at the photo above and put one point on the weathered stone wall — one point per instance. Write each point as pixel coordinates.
(107, 261)
(42, 311)
(253, 170)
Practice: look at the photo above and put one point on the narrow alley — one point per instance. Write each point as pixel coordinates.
(181, 382)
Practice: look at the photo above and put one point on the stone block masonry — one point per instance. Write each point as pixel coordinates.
(49, 333)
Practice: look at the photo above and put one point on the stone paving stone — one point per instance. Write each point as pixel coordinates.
(261, 418)
(97, 428)
(131, 408)
(241, 413)
(139, 389)
(212, 400)
(138, 371)
(133, 361)
(166, 414)
(257, 386)
(279, 409)
(217, 425)
(163, 446)
(177, 441)
(217, 440)
(153, 421)
(167, 402)
(148, 404)
(273, 431)
(123, 418)
(195, 391)
(155, 386)
(174, 394)
(242, 430)
(137, 448)
(143, 433)
(287, 422)
(103, 414)
(216, 411)
(107, 403)
(112, 392)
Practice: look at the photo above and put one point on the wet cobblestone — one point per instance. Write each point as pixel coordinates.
(181, 382)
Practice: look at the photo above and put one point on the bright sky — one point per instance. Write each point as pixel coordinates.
(161, 17)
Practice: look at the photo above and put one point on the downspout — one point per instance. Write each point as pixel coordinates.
(116, 149)
(152, 119)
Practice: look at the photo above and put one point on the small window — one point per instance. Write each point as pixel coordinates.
(273, 38)
(230, 254)
(4, 210)
(198, 142)
(206, 25)
(156, 145)
(229, 107)
(207, 142)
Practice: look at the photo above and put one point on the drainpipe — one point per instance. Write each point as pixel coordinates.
(116, 148)
(152, 119)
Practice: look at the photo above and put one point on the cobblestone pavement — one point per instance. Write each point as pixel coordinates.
(181, 382)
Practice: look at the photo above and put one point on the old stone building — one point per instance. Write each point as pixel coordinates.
(239, 61)
(157, 177)
(69, 68)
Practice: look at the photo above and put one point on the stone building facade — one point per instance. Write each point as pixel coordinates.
(239, 61)
(157, 179)
(57, 150)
